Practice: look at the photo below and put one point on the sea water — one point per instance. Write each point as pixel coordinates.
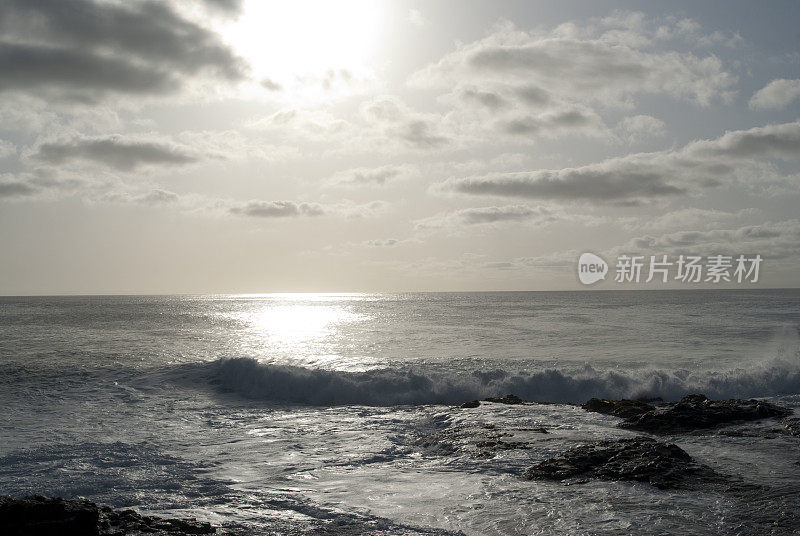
(337, 413)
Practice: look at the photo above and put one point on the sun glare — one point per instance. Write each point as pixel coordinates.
(307, 50)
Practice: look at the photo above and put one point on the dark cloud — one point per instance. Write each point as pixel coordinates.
(550, 123)
(133, 47)
(277, 209)
(489, 99)
(229, 7)
(115, 152)
(487, 215)
(420, 134)
(473, 216)
(772, 240)
(532, 95)
(15, 188)
(27, 67)
(271, 85)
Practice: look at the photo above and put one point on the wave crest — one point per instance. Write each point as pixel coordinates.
(387, 387)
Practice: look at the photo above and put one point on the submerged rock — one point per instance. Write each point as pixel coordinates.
(697, 412)
(619, 408)
(471, 404)
(641, 459)
(37, 515)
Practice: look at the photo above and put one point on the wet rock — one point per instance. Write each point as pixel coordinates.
(508, 399)
(471, 404)
(37, 515)
(619, 408)
(792, 426)
(697, 412)
(640, 459)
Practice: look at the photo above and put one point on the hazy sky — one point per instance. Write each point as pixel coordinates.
(219, 146)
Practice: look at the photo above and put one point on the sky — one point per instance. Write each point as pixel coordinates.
(220, 146)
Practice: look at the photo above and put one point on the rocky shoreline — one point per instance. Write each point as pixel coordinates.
(640, 458)
(643, 458)
(36, 515)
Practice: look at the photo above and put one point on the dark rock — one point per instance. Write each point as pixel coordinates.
(641, 459)
(619, 408)
(508, 399)
(37, 515)
(697, 412)
(471, 404)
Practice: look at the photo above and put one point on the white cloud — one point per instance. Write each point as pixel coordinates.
(638, 127)
(415, 17)
(398, 122)
(776, 95)
(364, 176)
(575, 65)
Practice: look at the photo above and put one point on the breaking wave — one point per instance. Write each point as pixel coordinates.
(384, 387)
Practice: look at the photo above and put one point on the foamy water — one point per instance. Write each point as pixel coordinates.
(310, 411)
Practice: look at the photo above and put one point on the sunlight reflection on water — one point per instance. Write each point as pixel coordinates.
(300, 328)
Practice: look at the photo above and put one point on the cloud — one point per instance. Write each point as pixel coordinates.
(612, 181)
(580, 63)
(553, 123)
(689, 219)
(638, 178)
(776, 240)
(415, 17)
(488, 215)
(143, 47)
(271, 85)
(781, 141)
(384, 243)
(314, 125)
(553, 83)
(398, 122)
(292, 209)
(7, 148)
(277, 209)
(227, 7)
(776, 95)
(492, 100)
(638, 127)
(123, 154)
(28, 67)
(12, 187)
(378, 176)
(158, 197)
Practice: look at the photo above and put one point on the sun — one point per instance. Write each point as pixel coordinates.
(308, 49)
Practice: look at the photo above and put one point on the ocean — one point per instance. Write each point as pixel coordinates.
(338, 413)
